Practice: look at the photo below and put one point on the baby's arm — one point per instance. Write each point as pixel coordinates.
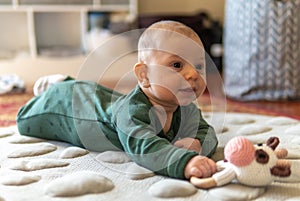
(194, 126)
(189, 143)
(200, 166)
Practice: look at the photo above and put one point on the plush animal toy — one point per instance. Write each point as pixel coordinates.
(252, 165)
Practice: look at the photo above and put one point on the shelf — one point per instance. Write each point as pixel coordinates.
(53, 27)
(14, 34)
(56, 31)
(115, 2)
(5, 2)
(73, 2)
(55, 2)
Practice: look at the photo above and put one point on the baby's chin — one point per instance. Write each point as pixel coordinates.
(185, 102)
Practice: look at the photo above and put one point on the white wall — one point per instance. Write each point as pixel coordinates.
(31, 69)
(214, 7)
(82, 67)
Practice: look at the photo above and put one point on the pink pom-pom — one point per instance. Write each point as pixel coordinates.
(239, 151)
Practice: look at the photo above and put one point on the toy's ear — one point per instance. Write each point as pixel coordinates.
(273, 142)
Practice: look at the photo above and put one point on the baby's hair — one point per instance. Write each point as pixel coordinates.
(151, 37)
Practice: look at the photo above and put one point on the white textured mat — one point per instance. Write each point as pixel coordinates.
(39, 170)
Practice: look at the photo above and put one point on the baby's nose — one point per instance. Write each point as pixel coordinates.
(191, 73)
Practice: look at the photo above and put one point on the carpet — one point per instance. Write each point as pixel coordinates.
(9, 106)
(11, 103)
(39, 170)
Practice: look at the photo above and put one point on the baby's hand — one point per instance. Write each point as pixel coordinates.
(201, 167)
(189, 143)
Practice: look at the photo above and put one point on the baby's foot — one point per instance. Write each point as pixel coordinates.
(45, 82)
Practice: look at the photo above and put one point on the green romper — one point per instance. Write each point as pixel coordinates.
(91, 116)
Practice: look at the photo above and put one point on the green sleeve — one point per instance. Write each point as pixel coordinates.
(195, 126)
(207, 136)
(138, 131)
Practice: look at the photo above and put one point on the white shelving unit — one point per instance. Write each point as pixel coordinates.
(32, 27)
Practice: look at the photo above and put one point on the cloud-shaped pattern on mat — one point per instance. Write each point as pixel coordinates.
(86, 182)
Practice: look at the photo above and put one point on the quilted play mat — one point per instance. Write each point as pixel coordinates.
(39, 170)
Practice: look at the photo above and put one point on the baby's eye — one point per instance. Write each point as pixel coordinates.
(199, 66)
(176, 65)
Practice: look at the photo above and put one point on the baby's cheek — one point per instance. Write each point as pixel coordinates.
(202, 84)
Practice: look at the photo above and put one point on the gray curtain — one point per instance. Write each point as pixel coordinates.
(262, 49)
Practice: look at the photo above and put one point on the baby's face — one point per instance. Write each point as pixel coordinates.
(174, 80)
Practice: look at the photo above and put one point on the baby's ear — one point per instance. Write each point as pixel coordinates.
(140, 71)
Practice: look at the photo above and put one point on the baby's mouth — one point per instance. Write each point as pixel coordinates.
(188, 90)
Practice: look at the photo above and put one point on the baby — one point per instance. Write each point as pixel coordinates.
(156, 124)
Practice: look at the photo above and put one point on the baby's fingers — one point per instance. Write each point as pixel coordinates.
(206, 170)
(195, 171)
(201, 171)
(201, 167)
(213, 166)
